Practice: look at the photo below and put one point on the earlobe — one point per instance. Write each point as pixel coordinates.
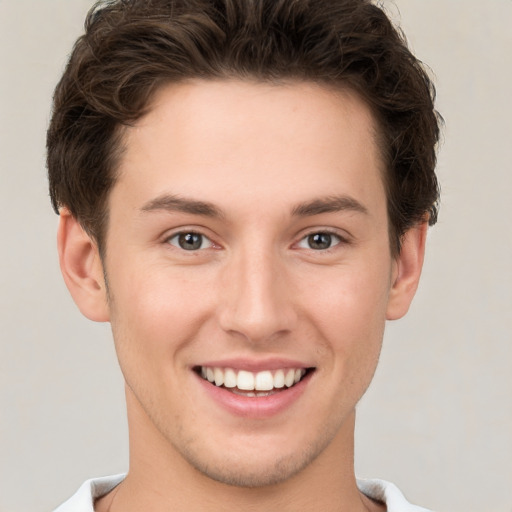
(82, 269)
(407, 271)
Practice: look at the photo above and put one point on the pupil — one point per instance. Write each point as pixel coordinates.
(319, 241)
(190, 241)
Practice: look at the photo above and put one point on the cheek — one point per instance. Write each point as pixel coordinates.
(156, 310)
(350, 312)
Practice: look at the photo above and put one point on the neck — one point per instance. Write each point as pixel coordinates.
(160, 479)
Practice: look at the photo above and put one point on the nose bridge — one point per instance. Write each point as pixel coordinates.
(256, 300)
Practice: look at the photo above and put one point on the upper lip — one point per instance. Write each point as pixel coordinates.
(253, 365)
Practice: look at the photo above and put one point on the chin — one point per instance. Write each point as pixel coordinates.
(253, 475)
(257, 468)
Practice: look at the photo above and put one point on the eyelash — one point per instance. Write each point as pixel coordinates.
(177, 236)
(339, 240)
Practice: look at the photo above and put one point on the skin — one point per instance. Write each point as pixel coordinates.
(263, 158)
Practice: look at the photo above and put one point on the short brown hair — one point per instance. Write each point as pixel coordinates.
(132, 47)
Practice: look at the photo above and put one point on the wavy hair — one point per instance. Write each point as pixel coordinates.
(130, 48)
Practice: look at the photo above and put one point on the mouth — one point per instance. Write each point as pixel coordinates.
(253, 384)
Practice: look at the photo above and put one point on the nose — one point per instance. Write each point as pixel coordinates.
(257, 297)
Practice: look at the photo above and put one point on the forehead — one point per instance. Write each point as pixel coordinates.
(233, 141)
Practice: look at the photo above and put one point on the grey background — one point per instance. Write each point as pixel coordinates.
(438, 418)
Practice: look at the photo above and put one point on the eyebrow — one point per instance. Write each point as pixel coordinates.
(172, 203)
(330, 204)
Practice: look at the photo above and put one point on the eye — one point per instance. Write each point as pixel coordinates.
(190, 241)
(320, 241)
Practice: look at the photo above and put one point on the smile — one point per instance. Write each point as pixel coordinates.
(252, 384)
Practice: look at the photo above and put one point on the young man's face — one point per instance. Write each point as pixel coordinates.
(248, 239)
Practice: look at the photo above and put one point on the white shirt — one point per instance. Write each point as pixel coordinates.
(380, 490)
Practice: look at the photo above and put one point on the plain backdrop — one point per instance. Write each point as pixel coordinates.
(438, 418)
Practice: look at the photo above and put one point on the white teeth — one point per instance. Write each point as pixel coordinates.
(289, 378)
(230, 378)
(279, 379)
(248, 381)
(252, 394)
(219, 376)
(249, 394)
(264, 381)
(245, 380)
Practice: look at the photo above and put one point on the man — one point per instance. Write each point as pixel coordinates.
(244, 189)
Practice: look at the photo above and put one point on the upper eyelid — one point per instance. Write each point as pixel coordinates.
(330, 233)
(341, 234)
(173, 233)
(175, 246)
(198, 230)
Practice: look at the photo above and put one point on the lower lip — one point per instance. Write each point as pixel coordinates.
(258, 406)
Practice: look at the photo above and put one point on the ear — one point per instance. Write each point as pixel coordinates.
(407, 271)
(82, 269)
